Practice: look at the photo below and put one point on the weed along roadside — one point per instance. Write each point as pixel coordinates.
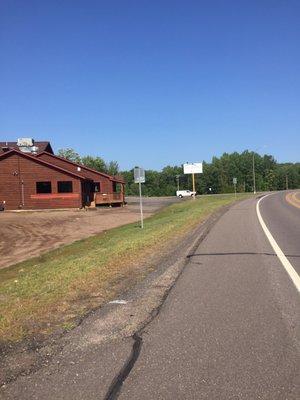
(52, 292)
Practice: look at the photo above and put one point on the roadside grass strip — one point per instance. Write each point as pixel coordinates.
(50, 292)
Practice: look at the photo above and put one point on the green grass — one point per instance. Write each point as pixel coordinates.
(49, 292)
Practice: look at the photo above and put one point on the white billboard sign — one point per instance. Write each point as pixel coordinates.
(192, 168)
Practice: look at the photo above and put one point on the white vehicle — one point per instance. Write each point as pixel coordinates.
(185, 193)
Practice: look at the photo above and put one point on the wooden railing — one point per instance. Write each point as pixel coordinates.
(108, 198)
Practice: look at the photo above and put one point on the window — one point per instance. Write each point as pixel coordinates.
(96, 187)
(116, 187)
(65, 187)
(43, 187)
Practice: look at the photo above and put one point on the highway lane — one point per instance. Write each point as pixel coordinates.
(283, 220)
(230, 327)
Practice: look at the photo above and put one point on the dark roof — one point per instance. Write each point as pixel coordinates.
(42, 146)
(39, 161)
(112, 178)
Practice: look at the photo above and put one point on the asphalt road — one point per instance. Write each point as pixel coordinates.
(230, 327)
(282, 219)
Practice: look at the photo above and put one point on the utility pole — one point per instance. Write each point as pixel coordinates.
(234, 180)
(193, 177)
(286, 182)
(177, 179)
(253, 169)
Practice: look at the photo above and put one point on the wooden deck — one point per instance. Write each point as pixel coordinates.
(108, 198)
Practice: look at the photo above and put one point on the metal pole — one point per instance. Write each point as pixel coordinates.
(23, 196)
(193, 176)
(141, 203)
(235, 190)
(287, 182)
(253, 167)
(177, 178)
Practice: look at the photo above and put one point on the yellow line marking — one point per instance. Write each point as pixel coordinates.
(292, 199)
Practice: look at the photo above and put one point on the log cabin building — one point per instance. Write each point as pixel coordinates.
(32, 177)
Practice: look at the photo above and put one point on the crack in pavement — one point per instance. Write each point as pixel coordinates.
(116, 385)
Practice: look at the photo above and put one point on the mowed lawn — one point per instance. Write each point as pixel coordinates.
(50, 292)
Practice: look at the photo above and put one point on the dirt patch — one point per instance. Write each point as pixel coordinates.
(30, 234)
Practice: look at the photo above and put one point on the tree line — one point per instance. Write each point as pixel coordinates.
(97, 163)
(217, 176)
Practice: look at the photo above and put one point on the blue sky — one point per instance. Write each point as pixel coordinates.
(152, 83)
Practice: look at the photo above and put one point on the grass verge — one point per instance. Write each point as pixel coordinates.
(45, 293)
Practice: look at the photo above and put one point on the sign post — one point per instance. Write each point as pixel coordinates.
(234, 180)
(139, 177)
(193, 179)
(193, 168)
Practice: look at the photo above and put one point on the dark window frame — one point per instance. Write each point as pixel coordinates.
(98, 186)
(117, 187)
(64, 186)
(42, 187)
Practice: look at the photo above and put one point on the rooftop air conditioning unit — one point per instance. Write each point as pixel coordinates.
(25, 142)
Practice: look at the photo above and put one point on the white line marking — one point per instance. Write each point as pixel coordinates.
(284, 261)
(118, 302)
